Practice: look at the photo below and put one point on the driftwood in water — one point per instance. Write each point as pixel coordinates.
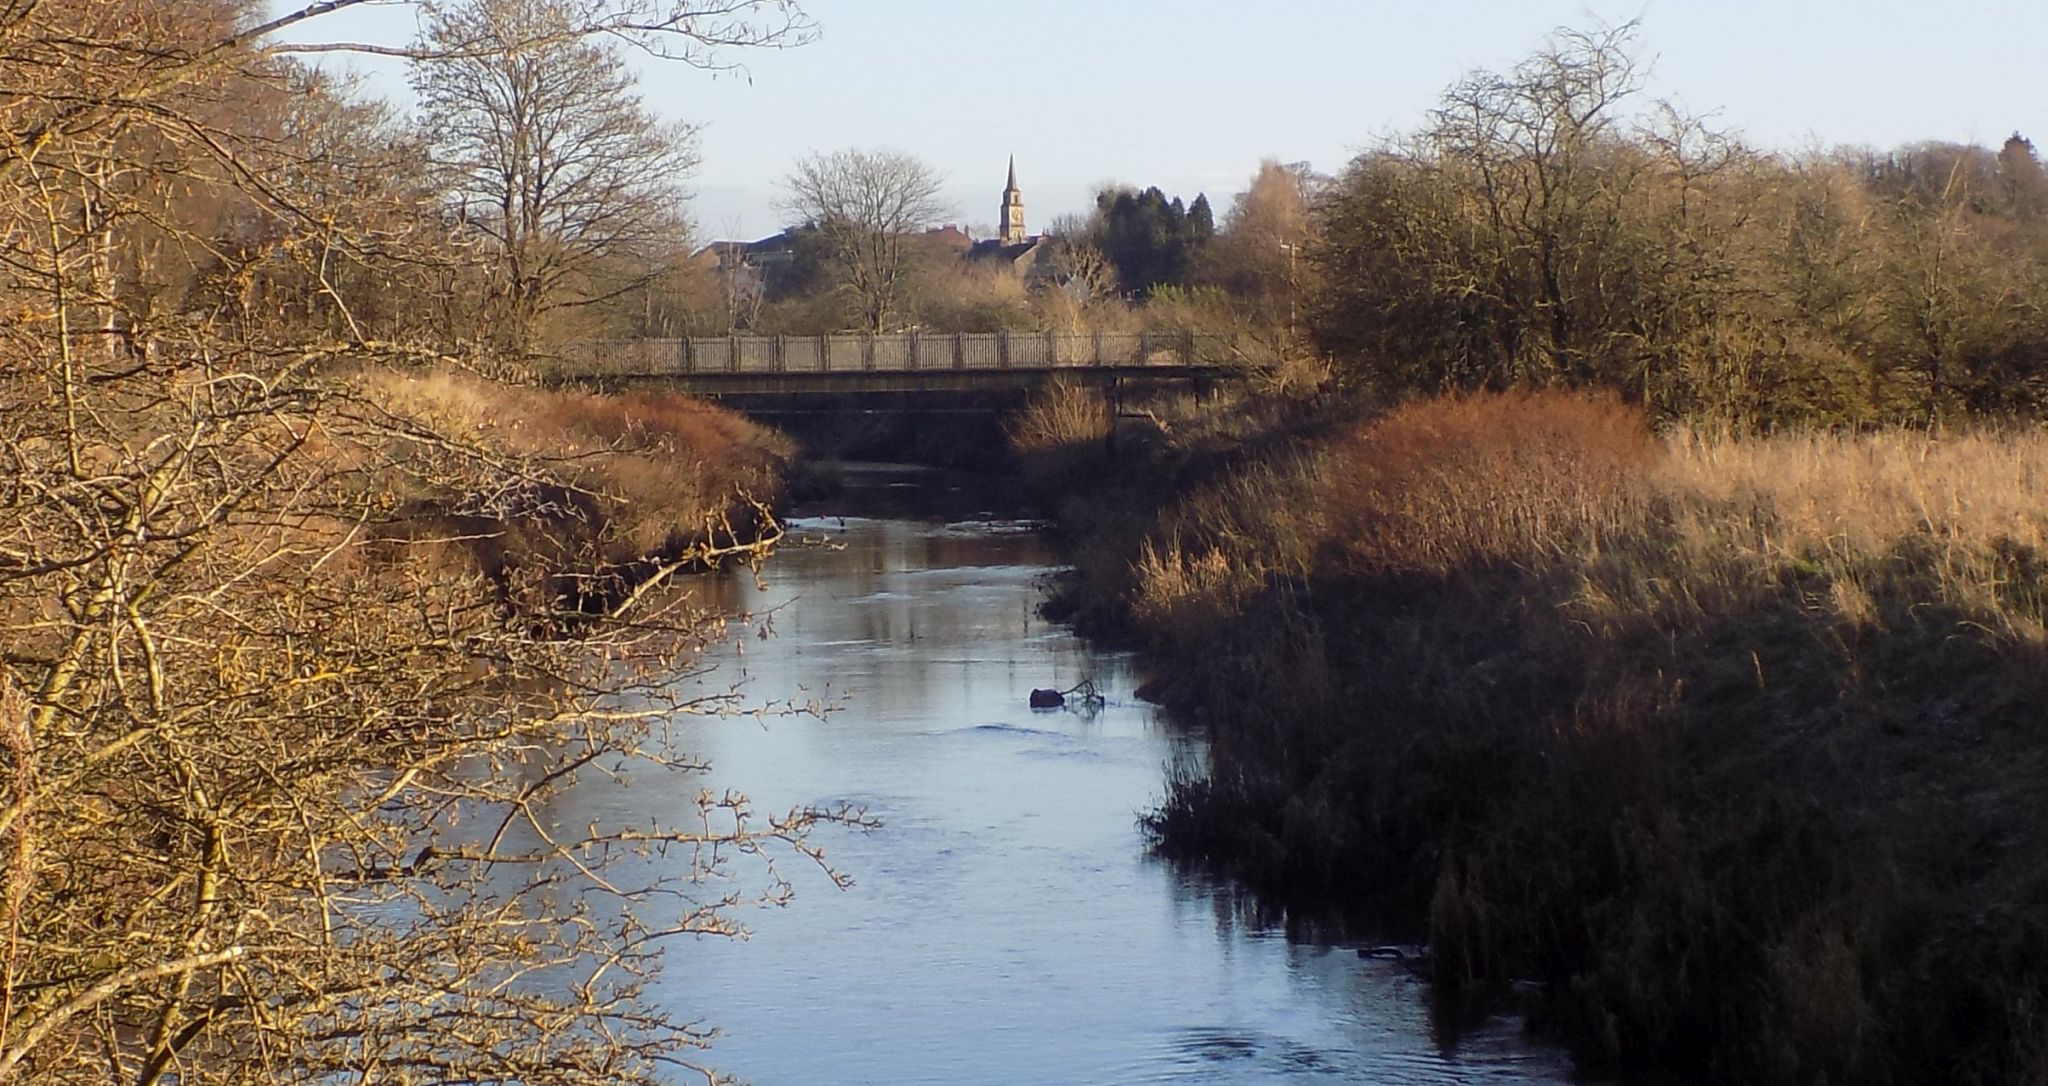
(1089, 699)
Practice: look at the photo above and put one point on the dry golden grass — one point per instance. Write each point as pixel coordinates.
(1442, 484)
(1874, 525)
(1655, 532)
(559, 498)
(1970, 501)
(1061, 413)
(1434, 486)
(1060, 436)
(1860, 491)
(661, 462)
(1224, 543)
(1731, 740)
(1657, 529)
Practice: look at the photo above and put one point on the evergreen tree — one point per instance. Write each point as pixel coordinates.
(1201, 220)
(2020, 176)
(1152, 240)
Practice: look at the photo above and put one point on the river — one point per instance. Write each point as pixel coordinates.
(1007, 923)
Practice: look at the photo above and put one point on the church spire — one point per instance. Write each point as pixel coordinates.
(1012, 218)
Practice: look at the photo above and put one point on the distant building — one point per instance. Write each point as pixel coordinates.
(1029, 258)
(751, 265)
(766, 253)
(1012, 218)
(750, 271)
(950, 238)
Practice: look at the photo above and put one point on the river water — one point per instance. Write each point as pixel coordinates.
(1006, 924)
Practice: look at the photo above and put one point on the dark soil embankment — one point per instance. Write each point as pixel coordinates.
(1733, 747)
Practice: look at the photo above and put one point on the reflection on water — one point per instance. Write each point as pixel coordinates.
(1007, 924)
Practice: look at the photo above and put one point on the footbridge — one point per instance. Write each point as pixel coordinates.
(913, 362)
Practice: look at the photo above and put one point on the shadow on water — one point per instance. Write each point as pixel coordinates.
(831, 489)
(1009, 922)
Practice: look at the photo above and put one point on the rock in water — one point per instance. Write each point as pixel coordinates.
(1047, 699)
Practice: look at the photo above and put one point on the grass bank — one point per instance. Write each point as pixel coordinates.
(564, 497)
(1733, 747)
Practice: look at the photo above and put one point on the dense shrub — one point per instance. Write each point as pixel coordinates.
(1537, 233)
(1724, 742)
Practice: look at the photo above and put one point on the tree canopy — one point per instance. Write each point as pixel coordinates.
(866, 206)
(1152, 240)
(544, 151)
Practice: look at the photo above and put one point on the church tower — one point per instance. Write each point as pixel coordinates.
(1013, 209)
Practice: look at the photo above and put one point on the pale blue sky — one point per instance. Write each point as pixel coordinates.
(1191, 95)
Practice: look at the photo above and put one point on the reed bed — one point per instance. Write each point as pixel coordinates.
(1730, 745)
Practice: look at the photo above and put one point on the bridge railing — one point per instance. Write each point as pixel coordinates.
(911, 352)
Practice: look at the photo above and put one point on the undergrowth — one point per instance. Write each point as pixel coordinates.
(1732, 745)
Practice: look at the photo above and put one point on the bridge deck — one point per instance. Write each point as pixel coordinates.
(904, 363)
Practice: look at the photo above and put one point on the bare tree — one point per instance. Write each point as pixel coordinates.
(547, 153)
(274, 777)
(700, 33)
(867, 205)
(1533, 140)
(1082, 271)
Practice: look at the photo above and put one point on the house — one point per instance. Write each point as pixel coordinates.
(1031, 259)
(950, 238)
(769, 252)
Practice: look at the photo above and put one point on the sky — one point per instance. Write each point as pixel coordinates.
(1191, 95)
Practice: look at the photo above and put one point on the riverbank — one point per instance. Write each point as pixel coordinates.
(281, 640)
(586, 495)
(1728, 745)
